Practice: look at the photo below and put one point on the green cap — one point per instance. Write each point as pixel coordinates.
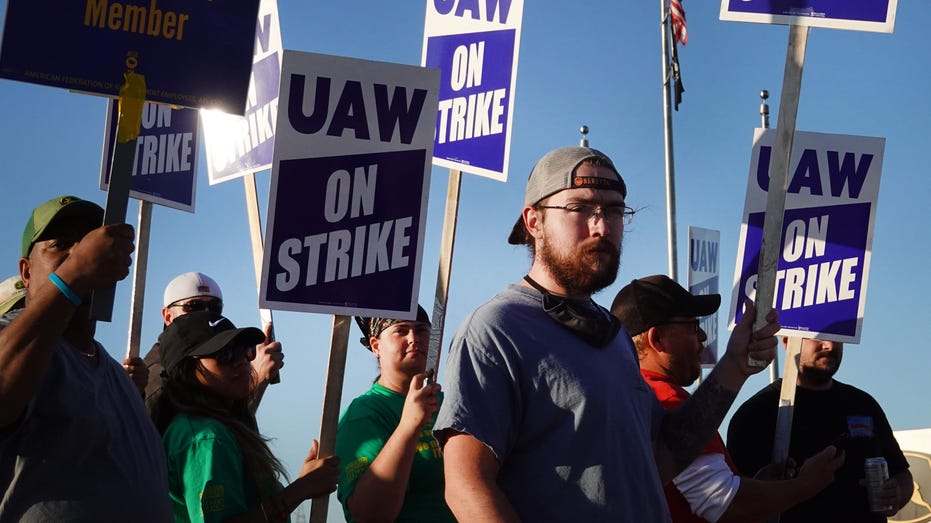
(12, 291)
(62, 207)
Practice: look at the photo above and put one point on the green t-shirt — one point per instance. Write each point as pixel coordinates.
(206, 478)
(364, 429)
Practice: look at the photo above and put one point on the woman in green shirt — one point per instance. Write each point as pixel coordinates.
(219, 466)
(394, 467)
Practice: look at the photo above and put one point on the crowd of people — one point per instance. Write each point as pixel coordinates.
(553, 407)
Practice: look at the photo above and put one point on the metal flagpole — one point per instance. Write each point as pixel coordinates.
(667, 131)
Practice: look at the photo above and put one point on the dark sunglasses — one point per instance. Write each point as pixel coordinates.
(232, 353)
(214, 306)
(696, 324)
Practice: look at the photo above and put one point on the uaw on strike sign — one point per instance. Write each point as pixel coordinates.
(349, 186)
(475, 46)
(827, 237)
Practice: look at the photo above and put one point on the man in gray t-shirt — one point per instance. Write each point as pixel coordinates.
(546, 416)
(76, 444)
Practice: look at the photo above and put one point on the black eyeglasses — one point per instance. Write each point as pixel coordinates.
(214, 306)
(696, 324)
(232, 353)
(610, 213)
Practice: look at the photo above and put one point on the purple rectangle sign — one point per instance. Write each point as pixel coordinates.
(345, 225)
(166, 155)
(864, 11)
(821, 270)
(475, 96)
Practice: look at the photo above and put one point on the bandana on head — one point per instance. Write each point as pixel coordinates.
(373, 327)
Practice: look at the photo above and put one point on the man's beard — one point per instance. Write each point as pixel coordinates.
(576, 274)
(817, 375)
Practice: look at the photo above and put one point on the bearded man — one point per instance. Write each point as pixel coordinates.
(546, 416)
(826, 412)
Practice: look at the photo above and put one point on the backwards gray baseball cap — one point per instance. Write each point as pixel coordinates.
(556, 172)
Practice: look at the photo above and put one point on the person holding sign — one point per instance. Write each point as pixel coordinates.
(662, 318)
(75, 441)
(546, 416)
(195, 291)
(826, 412)
(394, 467)
(219, 466)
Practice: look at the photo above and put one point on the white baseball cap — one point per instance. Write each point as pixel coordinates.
(12, 290)
(189, 285)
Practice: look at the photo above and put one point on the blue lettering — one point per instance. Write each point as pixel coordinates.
(263, 32)
(350, 112)
(853, 175)
(299, 121)
(474, 7)
(703, 256)
(468, 5)
(762, 167)
(397, 113)
(492, 5)
(444, 6)
(807, 174)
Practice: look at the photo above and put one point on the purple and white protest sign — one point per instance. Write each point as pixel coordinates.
(872, 15)
(240, 145)
(475, 46)
(827, 237)
(349, 187)
(192, 54)
(704, 258)
(165, 166)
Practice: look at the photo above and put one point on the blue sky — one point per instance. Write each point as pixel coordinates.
(596, 64)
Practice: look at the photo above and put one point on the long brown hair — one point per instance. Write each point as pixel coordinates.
(182, 393)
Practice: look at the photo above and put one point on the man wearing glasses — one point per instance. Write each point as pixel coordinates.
(546, 416)
(662, 318)
(195, 291)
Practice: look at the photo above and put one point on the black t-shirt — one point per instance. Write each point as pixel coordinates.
(843, 416)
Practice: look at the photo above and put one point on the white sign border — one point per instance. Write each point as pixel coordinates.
(829, 23)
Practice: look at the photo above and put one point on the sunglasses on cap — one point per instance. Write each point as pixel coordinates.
(214, 306)
(231, 354)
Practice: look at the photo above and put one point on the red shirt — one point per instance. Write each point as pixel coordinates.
(672, 396)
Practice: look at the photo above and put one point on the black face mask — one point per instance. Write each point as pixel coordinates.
(591, 324)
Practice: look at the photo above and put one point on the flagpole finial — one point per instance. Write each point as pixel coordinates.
(764, 109)
(584, 131)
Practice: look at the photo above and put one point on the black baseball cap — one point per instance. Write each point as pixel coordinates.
(654, 300)
(201, 333)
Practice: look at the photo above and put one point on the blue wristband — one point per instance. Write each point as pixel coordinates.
(63, 287)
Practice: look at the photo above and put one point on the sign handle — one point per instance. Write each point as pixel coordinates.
(783, 435)
(333, 391)
(258, 250)
(140, 264)
(447, 243)
(132, 98)
(778, 178)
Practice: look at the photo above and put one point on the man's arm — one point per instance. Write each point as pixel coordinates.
(757, 499)
(687, 430)
(472, 492)
(27, 343)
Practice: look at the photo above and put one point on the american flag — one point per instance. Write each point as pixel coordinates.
(677, 15)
